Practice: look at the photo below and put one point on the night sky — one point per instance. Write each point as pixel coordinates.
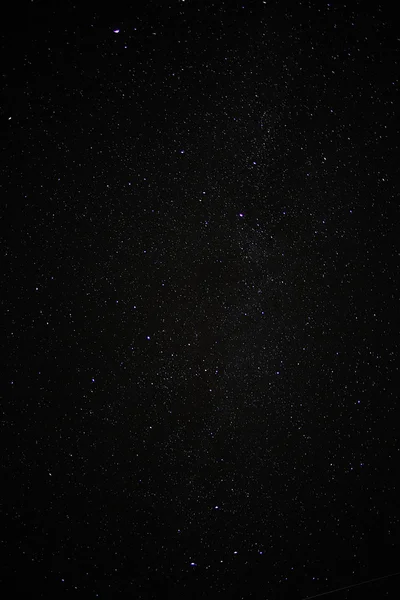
(200, 298)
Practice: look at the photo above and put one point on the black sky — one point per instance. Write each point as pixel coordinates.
(199, 227)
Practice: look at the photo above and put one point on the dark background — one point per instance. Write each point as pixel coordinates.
(199, 236)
